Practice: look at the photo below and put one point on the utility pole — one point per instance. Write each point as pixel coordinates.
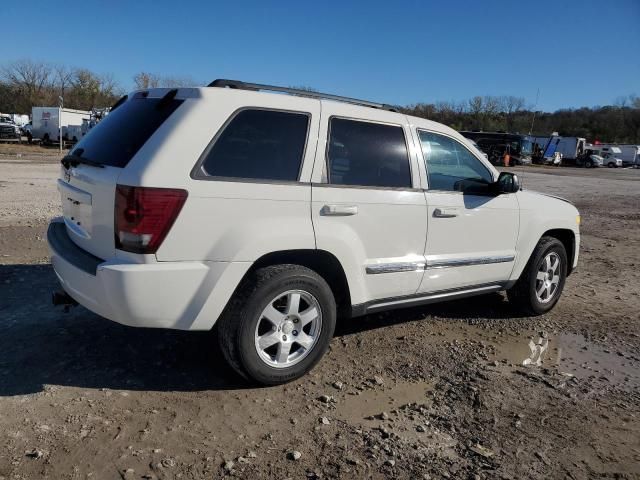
(60, 121)
(535, 107)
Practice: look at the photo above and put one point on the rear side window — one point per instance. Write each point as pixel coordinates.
(259, 144)
(117, 138)
(367, 154)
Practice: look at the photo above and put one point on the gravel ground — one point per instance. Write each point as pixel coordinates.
(433, 392)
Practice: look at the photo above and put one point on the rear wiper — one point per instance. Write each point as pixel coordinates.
(73, 160)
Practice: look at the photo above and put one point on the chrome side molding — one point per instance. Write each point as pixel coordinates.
(465, 262)
(440, 263)
(395, 267)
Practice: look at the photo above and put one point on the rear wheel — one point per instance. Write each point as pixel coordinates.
(539, 287)
(278, 324)
(588, 164)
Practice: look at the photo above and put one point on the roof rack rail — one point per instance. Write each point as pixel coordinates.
(237, 84)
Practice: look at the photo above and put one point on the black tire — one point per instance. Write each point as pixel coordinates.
(523, 294)
(588, 164)
(238, 323)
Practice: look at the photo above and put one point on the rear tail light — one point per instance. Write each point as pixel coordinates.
(144, 216)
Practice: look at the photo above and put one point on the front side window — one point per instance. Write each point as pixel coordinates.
(451, 167)
(367, 154)
(259, 144)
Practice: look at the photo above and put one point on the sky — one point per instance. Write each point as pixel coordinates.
(577, 53)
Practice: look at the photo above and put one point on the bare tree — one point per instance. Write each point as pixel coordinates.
(29, 79)
(491, 105)
(177, 81)
(511, 105)
(89, 90)
(145, 80)
(63, 75)
(476, 108)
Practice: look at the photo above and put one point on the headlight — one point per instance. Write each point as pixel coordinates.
(578, 220)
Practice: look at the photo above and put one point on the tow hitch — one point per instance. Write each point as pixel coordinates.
(60, 297)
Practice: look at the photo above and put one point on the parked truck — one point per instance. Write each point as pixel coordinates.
(571, 148)
(629, 154)
(8, 129)
(46, 123)
(611, 154)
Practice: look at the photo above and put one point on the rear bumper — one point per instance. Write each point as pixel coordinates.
(176, 295)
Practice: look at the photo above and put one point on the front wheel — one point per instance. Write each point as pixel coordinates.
(539, 287)
(278, 324)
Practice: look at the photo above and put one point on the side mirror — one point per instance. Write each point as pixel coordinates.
(507, 183)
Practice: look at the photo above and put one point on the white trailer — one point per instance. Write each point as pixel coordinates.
(48, 120)
(630, 155)
(571, 148)
(20, 120)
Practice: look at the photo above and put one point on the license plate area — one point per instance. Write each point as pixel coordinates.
(76, 208)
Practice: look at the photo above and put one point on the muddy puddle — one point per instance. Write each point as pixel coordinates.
(572, 354)
(569, 353)
(372, 402)
(401, 408)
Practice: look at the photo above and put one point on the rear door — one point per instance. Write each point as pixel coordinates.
(88, 179)
(367, 208)
(472, 233)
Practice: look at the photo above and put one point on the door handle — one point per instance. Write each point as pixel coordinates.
(445, 212)
(339, 210)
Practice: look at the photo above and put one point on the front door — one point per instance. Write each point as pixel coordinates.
(472, 233)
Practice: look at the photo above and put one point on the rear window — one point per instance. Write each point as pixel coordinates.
(117, 138)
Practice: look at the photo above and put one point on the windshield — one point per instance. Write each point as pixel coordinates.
(526, 147)
(117, 138)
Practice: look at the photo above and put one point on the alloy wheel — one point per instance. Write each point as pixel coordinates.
(548, 278)
(288, 328)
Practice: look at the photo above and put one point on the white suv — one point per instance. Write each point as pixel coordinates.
(269, 215)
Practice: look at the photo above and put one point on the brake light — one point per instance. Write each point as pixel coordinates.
(144, 216)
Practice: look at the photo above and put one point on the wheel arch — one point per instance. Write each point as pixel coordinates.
(568, 239)
(323, 263)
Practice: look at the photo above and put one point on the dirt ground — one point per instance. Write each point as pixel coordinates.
(466, 389)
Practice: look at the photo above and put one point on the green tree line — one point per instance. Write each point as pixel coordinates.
(26, 83)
